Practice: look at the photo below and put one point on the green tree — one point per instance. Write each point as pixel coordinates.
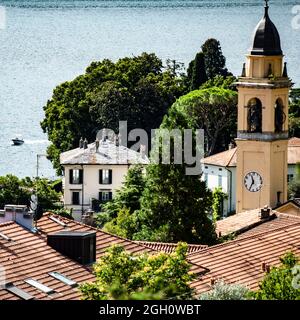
(221, 82)
(281, 283)
(128, 197)
(223, 291)
(214, 59)
(136, 89)
(294, 113)
(18, 191)
(197, 72)
(294, 185)
(214, 110)
(123, 276)
(217, 207)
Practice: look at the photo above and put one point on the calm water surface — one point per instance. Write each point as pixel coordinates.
(48, 42)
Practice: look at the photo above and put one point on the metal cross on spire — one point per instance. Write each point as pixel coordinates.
(267, 3)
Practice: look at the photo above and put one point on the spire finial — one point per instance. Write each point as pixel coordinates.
(266, 8)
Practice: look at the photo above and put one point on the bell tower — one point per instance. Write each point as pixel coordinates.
(262, 138)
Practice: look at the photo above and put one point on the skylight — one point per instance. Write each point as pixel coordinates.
(18, 292)
(39, 286)
(63, 279)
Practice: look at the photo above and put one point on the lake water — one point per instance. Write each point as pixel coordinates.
(48, 42)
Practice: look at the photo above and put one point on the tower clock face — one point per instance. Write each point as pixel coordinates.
(253, 181)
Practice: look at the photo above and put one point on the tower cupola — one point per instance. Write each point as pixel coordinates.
(266, 39)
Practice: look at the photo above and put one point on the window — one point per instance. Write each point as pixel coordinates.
(254, 116)
(105, 176)
(220, 181)
(105, 196)
(39, 286)
(290, 177)
(76, 197)
(76, 176)
(280, 116)
(63, 279)
(18, 292)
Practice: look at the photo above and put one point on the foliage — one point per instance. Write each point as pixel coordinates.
(281, 282)
(134, 89)
(124, 276)
(214, 110)
(129, 195)
(221, 82)
(218, 199)
(294, 113)
(214, 59)
(18, 191)
(223, 291)
(294, 185)
(63, 213)
(196, 72)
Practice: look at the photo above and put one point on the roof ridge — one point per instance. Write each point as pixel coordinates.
(233, 154)
(246, 238)
(93, 228)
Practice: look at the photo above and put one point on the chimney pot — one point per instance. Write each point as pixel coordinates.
(97, 143)
(81, 143)
(265, 212)
(85, 144)
(212, 281)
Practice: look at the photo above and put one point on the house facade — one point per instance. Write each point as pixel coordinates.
(219, 171)
(93, 172)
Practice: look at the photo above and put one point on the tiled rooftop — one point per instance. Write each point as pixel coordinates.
(171, 247)
(107, 153)
(26, 255)
(240, 261)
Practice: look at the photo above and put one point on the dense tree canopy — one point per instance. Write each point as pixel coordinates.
(281, 283)
(123, 276)
(294, 113)
(214, 110)
(18, 191)
(135, 89)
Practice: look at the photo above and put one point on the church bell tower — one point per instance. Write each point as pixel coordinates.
(262, 138)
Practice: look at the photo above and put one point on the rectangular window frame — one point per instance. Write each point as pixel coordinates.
(10, 287)
(105, 176)
(62, 278)
(76, 176)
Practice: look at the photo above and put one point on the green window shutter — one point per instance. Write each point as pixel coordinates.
(110, 195)
(100, 196)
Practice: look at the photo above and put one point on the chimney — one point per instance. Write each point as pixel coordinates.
(97, 143)
(143, 151)
(231, 146)
(265, 212)
(18, 214)
(77, 245)
(88, 218)
(278, 198)
(85, 144)
(81, 143)
(265, 267)
(117, 140)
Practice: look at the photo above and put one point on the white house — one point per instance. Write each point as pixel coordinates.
(93, 172)
(219, 170)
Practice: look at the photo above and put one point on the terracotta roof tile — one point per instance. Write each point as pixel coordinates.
(28, 256)
(170, 247)
(240, 260)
